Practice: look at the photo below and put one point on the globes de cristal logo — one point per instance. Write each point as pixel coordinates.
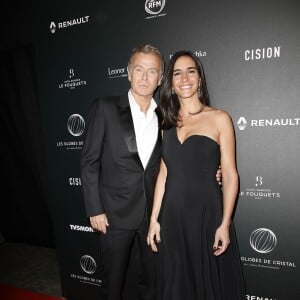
(263, 240)
(76, 125)
(89, 267)
(88, 264)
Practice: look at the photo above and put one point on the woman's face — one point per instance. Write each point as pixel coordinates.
(186, 79)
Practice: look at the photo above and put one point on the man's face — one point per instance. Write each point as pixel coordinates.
(144, 74)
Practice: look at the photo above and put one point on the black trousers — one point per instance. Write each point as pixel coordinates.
(116, 249)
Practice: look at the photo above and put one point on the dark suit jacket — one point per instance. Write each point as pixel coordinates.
(113, 178)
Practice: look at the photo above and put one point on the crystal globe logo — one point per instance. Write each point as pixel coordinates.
(52, 27)
(242, 123)
(263, 240)
(154, 7)
(88, 264)
(76, 125)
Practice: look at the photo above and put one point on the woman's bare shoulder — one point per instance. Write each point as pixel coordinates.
(216, 112)
(219, 117)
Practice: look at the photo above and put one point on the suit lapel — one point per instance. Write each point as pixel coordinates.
(157, 147)
(128, 127)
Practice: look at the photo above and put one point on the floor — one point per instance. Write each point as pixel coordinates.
(30, 267)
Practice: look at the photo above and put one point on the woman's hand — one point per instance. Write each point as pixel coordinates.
(153, 236)
(222, 240)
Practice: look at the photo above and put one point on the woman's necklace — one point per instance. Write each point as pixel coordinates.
(181, 124)
(197, 112)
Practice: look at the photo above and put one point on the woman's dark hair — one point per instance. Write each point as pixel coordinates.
(169, 103)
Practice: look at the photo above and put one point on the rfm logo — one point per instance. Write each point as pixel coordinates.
(153, 7)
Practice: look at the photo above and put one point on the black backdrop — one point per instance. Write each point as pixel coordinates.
(250, 52)
(24, 215)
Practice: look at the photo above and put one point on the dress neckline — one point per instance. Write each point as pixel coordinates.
(194, 135)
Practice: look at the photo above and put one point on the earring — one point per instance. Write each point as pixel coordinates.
(199, 89)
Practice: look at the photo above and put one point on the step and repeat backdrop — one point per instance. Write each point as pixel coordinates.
(251, 54)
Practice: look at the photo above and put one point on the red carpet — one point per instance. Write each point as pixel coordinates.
(8, 292)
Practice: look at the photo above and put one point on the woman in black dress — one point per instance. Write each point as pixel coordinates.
(191, 224)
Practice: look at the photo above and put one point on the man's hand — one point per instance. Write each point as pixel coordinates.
(219, 176)
(99, 223)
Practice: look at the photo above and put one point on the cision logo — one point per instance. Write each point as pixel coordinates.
(264, 241)
(154, 8)
(89, 266)
(262, 53)
(54, 26)
(72, 82)
(76, 127)
(74, 181)
(258, 191)
(243, 123)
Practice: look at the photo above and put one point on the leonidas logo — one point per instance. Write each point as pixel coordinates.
(60, 25)
(117, 72)
(154, 7)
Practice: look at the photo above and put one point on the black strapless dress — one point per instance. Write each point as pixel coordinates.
(191, 212)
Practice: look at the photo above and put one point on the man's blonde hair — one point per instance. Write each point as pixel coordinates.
(147, 49)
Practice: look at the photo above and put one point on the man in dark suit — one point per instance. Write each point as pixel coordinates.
(119, 165)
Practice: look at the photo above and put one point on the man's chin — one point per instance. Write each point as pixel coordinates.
(145, 93)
